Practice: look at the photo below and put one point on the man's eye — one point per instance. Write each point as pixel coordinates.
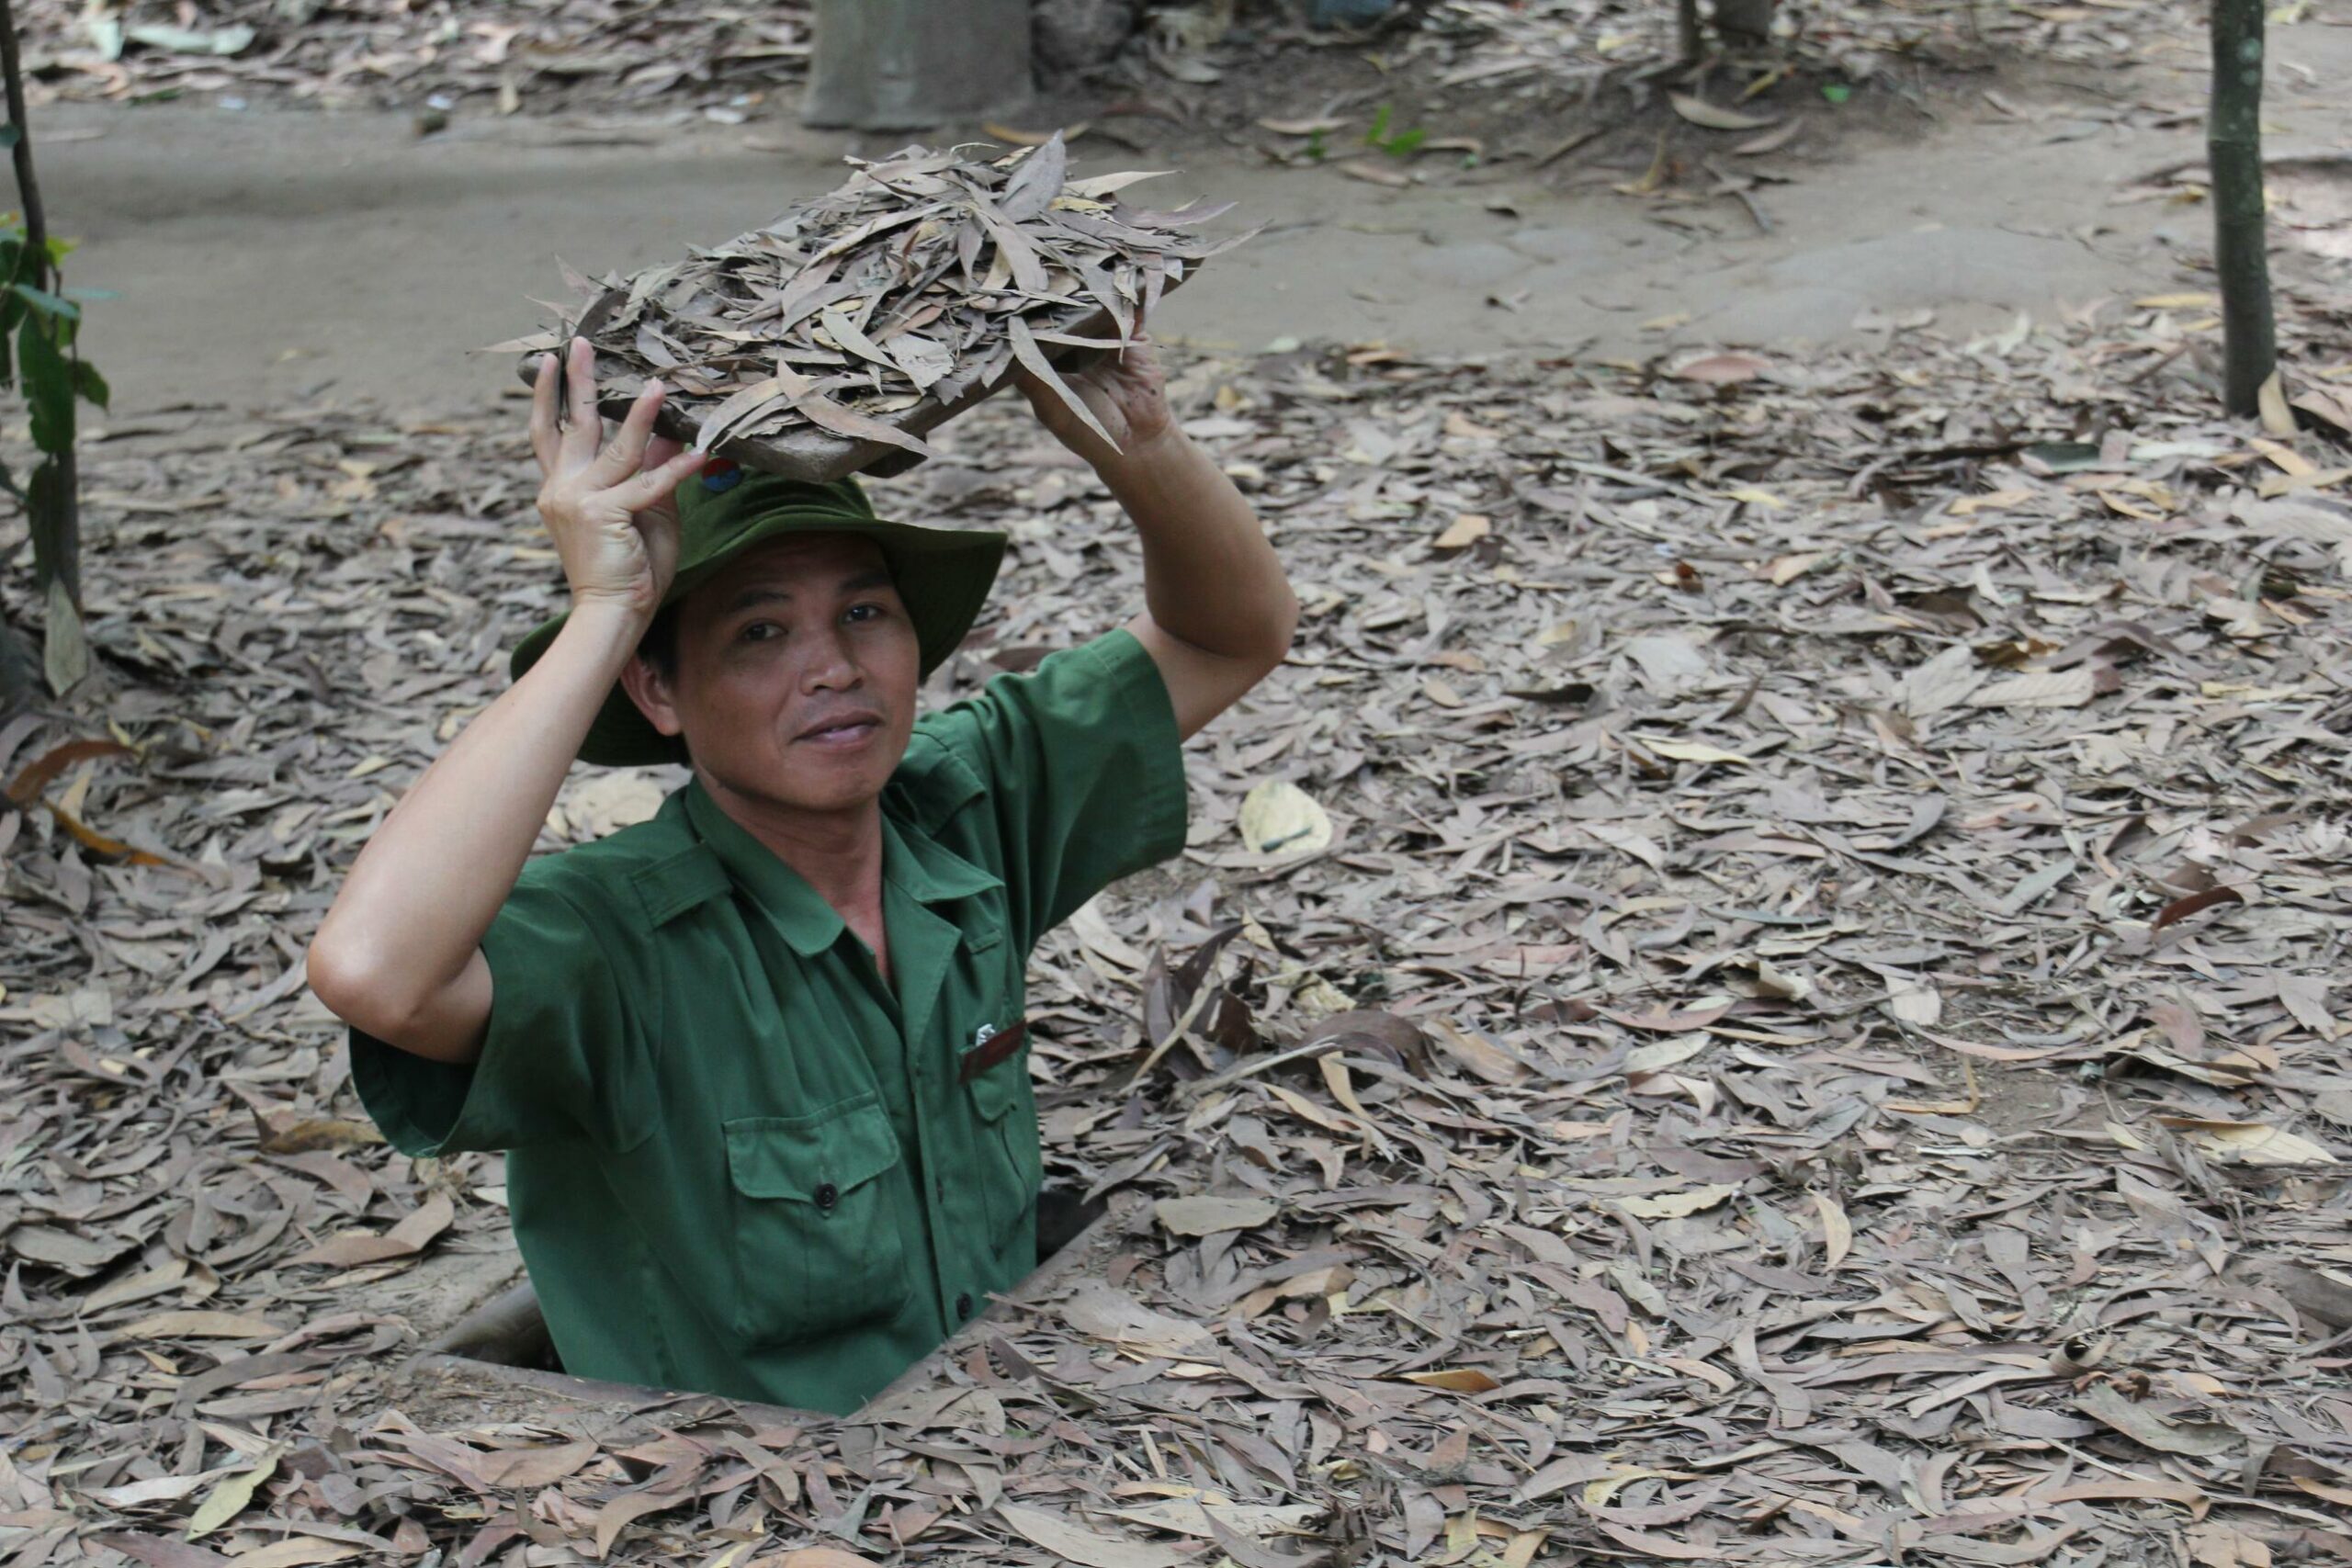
(762, 631)
(857, 613)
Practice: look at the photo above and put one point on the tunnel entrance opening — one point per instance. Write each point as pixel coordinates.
(505, 1341)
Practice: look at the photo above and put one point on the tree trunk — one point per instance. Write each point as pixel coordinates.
(913, 64)
(1071, 37)
(1686, 27)
(2233, 154)
(56, 514)
(1744, 22)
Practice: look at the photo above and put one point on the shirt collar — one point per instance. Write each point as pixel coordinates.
(924, 870)
(808, 924)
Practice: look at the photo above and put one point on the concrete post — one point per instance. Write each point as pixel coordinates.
(913, 64)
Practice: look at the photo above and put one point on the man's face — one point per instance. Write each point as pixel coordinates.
(795, 675)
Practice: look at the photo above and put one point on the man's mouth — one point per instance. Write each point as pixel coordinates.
(841, 730)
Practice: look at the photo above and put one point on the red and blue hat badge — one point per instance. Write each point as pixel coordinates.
(720, 474)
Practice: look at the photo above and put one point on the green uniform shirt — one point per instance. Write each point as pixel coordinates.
(740, 1163)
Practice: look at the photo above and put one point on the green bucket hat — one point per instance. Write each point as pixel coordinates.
(943, 577)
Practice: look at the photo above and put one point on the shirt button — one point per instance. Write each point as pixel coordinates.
(964, 1304)
(827, 1195)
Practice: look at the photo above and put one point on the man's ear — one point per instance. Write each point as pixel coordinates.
(652, 694)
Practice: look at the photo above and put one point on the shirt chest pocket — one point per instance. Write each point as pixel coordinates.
(818, 1245)
(1005, 1158)
(1005, 1126)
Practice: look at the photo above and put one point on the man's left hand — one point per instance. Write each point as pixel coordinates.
(1127, 394)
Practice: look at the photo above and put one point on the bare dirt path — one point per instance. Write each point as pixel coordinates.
(266, 256)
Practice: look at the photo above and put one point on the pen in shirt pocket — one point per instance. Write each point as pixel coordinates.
(991, 1046)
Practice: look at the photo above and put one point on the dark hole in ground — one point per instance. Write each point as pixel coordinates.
(508, 1330)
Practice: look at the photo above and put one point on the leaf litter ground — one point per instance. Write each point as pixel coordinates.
(1461, 58)
(1798, 1021)
(552, 54)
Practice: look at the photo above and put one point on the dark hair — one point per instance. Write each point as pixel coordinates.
(659, 646)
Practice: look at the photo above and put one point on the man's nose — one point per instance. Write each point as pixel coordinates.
(830, 667)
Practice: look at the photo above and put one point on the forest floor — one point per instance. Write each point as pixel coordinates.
(1826, 960)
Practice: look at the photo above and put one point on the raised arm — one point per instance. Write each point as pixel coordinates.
(1218, 612)
(398, 957)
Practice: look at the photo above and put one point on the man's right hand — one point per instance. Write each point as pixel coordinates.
(398, 957)
(611, 506)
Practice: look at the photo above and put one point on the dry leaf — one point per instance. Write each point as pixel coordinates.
(529, 1469)
(2195, 904)
(1033, 360)
(38, 775)
(1279, 818)
(1454, 1380)
(2042, 689)
(201, 1326)
(1676, 1205)
(1991, 501)
(295, 1551)
(1914, 1000)
(1772, 140)
(1698, 111)
(1721, 369)
(1836, 1232)
(1321, 123)
(2250, 1143)
(1691, 751)
(626, 1509)
(2271, 397)
(230, 1497)
(1482, 1057)
(1465, 531)
(1074, 1543)
(1948, 680)
(2105, 1402)
(1201, 1215)
(1103, 1312)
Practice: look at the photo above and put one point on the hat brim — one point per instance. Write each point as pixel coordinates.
(943, 576)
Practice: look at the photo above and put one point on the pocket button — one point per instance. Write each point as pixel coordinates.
(827, 1195)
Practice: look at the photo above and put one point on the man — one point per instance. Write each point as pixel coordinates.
(760, 1062)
